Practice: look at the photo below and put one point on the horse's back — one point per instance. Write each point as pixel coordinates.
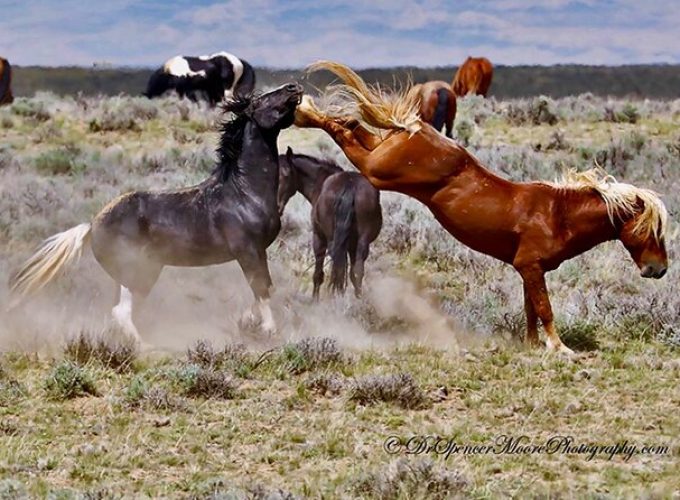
(365, 204)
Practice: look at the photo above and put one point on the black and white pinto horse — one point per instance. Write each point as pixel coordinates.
(214, 78)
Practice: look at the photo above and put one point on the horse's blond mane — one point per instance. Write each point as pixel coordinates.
(621, 198)
(376, 107)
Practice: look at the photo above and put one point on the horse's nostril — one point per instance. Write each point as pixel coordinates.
(292, 87)
(661, 273)
(647, 272)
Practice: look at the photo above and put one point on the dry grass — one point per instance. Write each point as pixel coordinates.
(306, 413)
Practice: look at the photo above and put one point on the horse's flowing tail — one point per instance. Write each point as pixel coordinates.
(441, 110)
(344, 218)
(393, 110)
(54, 254)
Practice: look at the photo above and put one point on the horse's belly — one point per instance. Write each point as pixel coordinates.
(190, 256)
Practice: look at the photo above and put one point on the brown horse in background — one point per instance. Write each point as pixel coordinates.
(534, 226)
(437, 104)
(6, 96)
(346, 215)
(473, 77)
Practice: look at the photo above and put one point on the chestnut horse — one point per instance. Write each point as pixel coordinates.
(473, 77)
(346, 215)
(534, 226)
(437, 104)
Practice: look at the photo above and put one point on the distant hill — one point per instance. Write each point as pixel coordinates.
(653, 81)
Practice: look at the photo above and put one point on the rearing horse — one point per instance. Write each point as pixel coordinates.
(232, 215)
(534, 226)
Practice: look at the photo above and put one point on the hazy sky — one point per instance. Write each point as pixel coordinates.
(293, 33)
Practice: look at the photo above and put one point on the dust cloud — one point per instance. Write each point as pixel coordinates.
(188, 304)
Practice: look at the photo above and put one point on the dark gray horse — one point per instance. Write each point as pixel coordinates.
(231, 215)
(346, 214)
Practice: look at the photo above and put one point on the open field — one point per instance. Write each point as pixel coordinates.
(279, 417)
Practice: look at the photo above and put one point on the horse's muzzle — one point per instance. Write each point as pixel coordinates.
(652, 271)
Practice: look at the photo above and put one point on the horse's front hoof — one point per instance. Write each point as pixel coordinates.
(561, 349)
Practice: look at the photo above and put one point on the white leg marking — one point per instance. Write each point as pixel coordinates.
(122, 313)
(268, 324)
(558, 347)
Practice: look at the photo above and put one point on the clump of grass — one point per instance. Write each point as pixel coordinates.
(233, 357)
(31, 108)
(536, 112)
(580, 335)
(465, 129)
(199, 382)
(310, 354)
(67, 380)
(541, 111)
(640, 326)
(325, 384)
(11, 488)
(60, 161)
(85, 348)
(140, 394)
(628, 114)
(400, 389)
(10, 388)
(404, 478)
(202, 353)
(109, 122)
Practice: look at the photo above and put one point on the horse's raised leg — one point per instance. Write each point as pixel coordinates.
(307, 117)
(534, 284)
(532, 319)
(256, 271)
(320, 246)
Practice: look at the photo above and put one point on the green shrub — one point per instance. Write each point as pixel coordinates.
(196, 381)
(310, 354)
(67, 380)
(30, 108)
(61, 161)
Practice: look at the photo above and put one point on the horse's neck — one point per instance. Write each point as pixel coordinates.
(311, 177)
(257, 169)
(585, 218)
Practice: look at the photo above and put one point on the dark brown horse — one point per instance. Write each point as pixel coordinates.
(437, 104)
(533, 226)
(346, 214)
(232, 215)
(473, 77)
(5, 82)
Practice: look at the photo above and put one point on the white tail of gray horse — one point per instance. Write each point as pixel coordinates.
(44, 265)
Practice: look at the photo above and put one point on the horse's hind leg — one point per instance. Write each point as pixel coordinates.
(356, 272)
(136, 285)
(320, 246)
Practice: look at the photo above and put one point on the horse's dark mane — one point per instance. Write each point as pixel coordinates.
(231, 141)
